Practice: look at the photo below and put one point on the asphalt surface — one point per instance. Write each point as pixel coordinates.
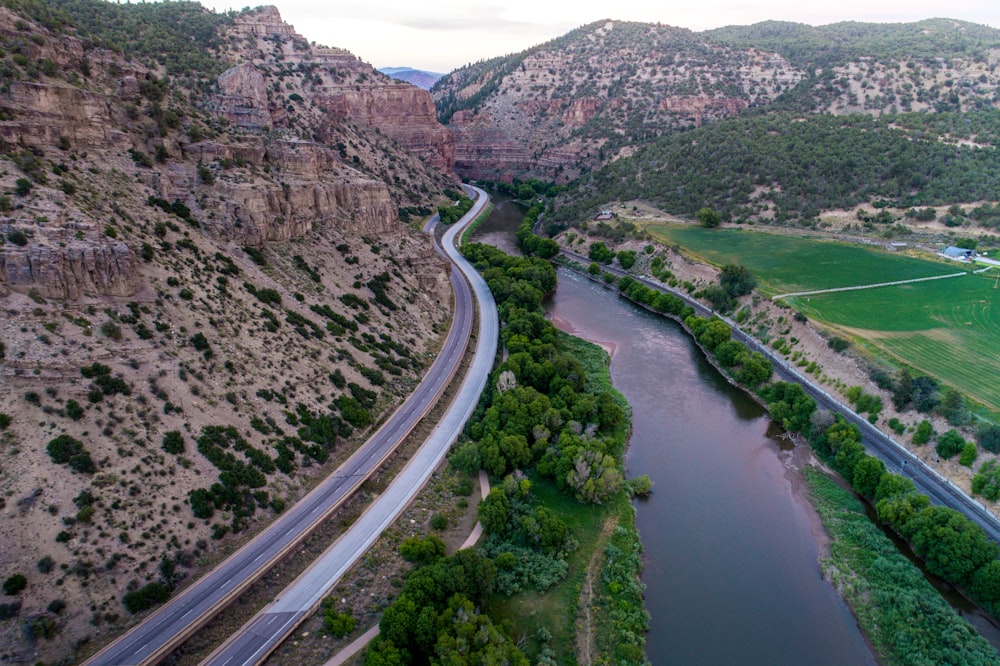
(266, 631)
(180, 617)
(897, 458)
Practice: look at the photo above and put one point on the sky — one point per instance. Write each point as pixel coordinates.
(442, 35)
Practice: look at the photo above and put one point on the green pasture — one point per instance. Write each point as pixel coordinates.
(785, 264)
(949, 329)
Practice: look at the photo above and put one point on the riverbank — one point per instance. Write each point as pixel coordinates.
(933, 626)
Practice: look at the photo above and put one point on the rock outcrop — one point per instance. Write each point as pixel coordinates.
(337, 84)
(95, 135)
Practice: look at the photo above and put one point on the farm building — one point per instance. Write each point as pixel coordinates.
(604, 215)
(959, 253)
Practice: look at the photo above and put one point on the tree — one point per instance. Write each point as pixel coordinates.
(867, 473)
(949, 444)
(952, 546)
(494, 511)
(714, 334)
(737, 280)
(14, 584)
(708, 218)
(989, 437)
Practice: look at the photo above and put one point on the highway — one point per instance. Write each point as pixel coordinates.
(265, 631)
(174, 622)
(895, 456)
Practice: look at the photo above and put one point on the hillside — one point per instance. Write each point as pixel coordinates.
(597, 94)
(209, 294)
(559, 109)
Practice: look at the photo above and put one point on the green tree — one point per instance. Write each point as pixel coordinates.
(737, 280)
(494, 511)
(708, 218)
(867, 473)
(949, 444)
(14, 584)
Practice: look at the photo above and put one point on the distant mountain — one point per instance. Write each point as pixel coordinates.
(417, 77)
(601, 92)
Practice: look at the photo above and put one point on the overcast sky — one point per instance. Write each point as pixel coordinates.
(442, 35)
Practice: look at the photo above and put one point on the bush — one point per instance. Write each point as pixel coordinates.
(338, 624)
(949, 444)
(989, 437)
(969, 454)
(17, 237)
(14, 584)
(64, 447)
(5, 420)
(439, 521)
(74, 410)
(146, 597)
(422, 551)
(923, 434)
(173, 442)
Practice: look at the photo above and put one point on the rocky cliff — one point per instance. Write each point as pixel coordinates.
(250, 164)
(200, 231)
(319, 81)
(560, 109)
(581, 101)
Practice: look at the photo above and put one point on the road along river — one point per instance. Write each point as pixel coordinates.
(731, 550)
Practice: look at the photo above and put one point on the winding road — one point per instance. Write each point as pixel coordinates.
(178, 619)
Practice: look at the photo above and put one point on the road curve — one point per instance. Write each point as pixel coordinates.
(895, 456)
(175, 621)
(266, 631)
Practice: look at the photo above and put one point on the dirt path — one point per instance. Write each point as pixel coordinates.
(866, 286)
(364, 639)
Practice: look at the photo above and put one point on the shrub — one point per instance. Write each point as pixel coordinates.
(338, 624)
(989, 437)
(173, 442)
(22, 186)
(74, 410)
(64, 447)
(17, 237)
(949, 444)
(923, 434)
(422, 551)
(439, 521)
(14, 584)
(969, 454)
(5, 420)
(146, 597)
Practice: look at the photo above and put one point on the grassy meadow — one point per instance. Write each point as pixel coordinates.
(785, 264)
(947, 328)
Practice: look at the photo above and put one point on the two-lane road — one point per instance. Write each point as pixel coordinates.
(179, 618)
(265, 631)
(897, 458)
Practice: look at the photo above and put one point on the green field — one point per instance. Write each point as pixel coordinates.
(947, 328)
(785, 264)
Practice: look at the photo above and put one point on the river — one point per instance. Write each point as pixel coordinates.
(730, 555)
(731, 559)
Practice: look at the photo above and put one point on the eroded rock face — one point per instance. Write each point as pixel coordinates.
(78, 268)
(244, 97)
(96, 143)
(339, 85)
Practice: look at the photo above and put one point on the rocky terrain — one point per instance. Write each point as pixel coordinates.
(209, 294)
(563, 108)
(559, 109)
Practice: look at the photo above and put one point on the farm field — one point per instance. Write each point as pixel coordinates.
(946, 328)
(785, 264)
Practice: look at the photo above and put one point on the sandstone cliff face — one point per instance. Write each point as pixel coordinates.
(338, 84)
(565, 107)
(97, 121)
